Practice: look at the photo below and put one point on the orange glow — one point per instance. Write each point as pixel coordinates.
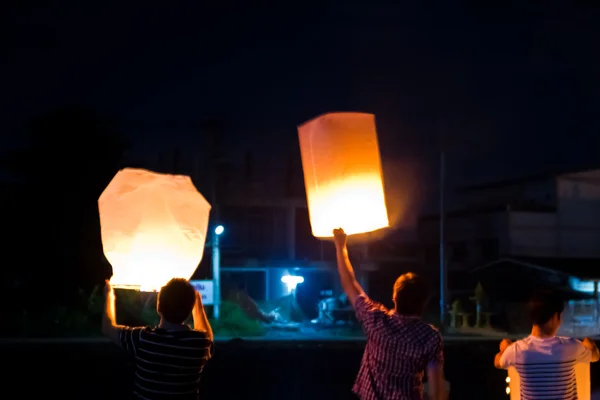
(153, 228)
(342, 174)
(582, 376)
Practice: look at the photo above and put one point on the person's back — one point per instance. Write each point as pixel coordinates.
(546, 366)
(169, 358)
(167, 362)
(399, 349)
(546, 362)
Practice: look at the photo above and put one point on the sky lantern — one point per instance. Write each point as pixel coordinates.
(153, 228)
(342, 173)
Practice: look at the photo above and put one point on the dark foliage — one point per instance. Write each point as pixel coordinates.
(52, 214)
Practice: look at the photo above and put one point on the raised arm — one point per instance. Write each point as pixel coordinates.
(109, 318)
(349, 283)
(199, 316)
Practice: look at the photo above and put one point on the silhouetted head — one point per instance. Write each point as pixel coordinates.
(545, 310)
(176, 301)
(411, 294)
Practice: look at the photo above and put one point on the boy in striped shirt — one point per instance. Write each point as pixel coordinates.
(169, 358)
(546, 362)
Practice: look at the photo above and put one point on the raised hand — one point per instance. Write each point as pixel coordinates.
(339, 238)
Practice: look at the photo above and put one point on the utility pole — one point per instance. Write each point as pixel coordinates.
(216, 267)
(442, 237)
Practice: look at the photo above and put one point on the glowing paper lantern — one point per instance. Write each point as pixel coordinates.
(153, 228)
(342, 174)
(582, 376)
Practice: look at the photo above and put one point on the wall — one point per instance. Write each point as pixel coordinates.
(579, 214)
(532, 234)
(471, 239)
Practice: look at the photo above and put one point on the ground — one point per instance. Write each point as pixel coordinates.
(249, 369)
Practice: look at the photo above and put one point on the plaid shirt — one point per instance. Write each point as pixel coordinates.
(398, 350)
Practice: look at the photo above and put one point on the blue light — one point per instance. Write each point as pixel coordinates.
(292, 281)
(219, 229)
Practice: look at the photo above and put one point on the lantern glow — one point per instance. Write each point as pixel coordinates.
(153, 228)
(342, 173)
(582, 377)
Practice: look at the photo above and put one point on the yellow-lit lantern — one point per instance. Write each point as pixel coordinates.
(342, 173)
(153, 228)
(582, 377)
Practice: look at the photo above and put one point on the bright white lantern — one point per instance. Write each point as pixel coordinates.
(153, 228)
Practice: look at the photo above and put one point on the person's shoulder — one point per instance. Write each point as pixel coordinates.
(432, 329)
(431, 332)
(567, 341)
(135, 329)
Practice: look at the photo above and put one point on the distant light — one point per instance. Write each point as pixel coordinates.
(292, 281)
(219, 229)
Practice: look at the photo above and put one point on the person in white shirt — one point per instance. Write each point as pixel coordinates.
(546, 362)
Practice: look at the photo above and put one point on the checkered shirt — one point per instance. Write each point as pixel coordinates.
(398, 351)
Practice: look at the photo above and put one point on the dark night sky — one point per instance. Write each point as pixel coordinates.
(518, 86)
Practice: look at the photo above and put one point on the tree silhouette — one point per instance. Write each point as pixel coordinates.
(71, 156)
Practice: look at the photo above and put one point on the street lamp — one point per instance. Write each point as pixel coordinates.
(216, 266)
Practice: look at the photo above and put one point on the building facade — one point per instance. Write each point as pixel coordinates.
(542, 217)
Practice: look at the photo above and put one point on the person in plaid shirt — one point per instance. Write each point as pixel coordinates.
(400, 346)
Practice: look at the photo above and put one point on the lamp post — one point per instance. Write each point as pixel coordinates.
(216, 269)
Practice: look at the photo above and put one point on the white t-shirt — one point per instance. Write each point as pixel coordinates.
(546, 367)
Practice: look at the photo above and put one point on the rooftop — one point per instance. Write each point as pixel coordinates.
(492, 209)
(582, 268)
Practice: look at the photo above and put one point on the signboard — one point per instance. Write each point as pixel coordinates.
(206, 290)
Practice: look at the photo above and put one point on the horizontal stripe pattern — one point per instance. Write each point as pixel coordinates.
(545, 381)
(168, 363)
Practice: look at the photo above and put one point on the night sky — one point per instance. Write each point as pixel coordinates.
(515, 89)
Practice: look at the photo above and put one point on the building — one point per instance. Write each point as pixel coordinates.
(543, 217)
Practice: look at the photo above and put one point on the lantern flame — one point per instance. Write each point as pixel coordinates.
(153, 228)
(342, 174)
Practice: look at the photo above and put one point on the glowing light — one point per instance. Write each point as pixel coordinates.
(582, 378)
(508, 379)
(219, 229)
(292, 281)
(342, 174)
(153, 228)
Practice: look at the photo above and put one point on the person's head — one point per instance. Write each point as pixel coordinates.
(176, 301)
(545, 310)
(411, 294)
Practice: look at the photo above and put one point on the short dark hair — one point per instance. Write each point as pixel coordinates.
(176, 300)
(411, 294)
(543, 305)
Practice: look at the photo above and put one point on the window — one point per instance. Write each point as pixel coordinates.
(459, 252)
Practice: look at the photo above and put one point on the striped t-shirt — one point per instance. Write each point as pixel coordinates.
(168, 363)
(546, 367)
